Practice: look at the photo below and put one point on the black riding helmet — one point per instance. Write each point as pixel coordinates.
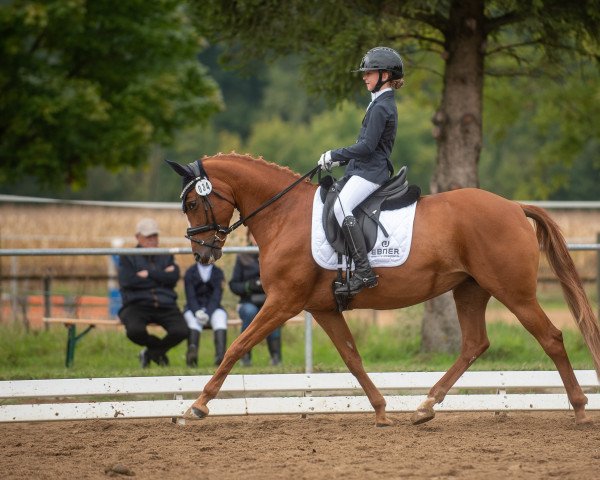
(382, 59)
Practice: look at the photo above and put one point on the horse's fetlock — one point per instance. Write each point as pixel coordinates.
(437, 396)
(579, 401)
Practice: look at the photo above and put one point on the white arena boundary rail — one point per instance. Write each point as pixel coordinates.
(155, 397)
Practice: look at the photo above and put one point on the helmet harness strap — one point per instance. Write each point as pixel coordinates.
(379, 83)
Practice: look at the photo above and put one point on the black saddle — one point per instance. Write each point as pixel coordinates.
(394, 194)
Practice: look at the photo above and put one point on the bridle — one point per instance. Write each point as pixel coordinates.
(211, 226)
(203, 187)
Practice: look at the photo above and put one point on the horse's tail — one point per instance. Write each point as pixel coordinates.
(552, 242)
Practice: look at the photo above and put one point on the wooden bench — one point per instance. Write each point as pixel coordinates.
(89, 323)
(140, 397)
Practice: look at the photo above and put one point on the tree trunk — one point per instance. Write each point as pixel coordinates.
(458, 132)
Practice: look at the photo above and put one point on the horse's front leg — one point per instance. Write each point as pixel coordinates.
(336, 327)
(266, 321)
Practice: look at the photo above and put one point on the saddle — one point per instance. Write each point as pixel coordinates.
(394, 194)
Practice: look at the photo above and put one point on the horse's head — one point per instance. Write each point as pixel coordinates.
(208, 211)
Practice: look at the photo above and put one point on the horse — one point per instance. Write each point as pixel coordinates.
(468, 241)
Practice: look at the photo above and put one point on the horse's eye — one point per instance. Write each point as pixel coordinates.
(191, 205)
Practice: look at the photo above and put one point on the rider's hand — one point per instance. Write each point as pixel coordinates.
(325, 161)
(202, 317)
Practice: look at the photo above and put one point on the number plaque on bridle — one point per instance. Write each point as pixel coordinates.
(203, 187)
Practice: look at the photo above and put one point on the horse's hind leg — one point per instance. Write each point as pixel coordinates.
(533, 318)
(471, 301)
(336, 327)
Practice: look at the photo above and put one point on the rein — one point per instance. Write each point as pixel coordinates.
(219, 229)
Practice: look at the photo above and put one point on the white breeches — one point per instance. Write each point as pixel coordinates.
(353, 193)
(218, 320)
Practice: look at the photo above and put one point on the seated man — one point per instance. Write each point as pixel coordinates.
(147, 284)
(203, 292)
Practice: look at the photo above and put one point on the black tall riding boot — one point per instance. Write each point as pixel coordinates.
(274, 345)
(191, 357)
(220, 345)
(363, 274)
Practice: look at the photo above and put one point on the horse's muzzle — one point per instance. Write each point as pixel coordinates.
(207, 257)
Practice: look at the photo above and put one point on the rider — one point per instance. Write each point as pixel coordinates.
(368, 164)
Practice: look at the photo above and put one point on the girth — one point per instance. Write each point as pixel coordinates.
(392, 195)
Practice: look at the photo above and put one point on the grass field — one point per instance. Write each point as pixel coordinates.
(392, 347)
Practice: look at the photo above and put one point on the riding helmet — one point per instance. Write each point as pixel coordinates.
(383, 58)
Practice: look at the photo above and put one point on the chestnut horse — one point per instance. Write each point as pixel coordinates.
(469, 241)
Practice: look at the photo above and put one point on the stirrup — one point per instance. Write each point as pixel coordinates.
(352, 288)
(341, 294)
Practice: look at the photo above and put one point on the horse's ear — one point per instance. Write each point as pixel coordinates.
(179, 169)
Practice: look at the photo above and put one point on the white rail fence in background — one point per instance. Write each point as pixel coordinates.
(154, 397)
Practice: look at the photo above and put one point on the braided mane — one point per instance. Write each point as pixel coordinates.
(249, 158)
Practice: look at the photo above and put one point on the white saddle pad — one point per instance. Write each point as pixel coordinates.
(387, 252)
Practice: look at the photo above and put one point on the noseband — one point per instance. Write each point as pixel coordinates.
(203, 187)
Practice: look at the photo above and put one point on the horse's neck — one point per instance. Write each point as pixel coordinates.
(255, 182)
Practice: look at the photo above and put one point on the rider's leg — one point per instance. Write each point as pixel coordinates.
(353, 193)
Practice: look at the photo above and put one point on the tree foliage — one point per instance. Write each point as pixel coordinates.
(89, 83)
(543, 138)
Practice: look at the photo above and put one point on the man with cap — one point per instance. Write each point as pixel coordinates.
(147, 284)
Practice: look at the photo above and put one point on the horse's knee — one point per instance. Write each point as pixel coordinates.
(235, 350)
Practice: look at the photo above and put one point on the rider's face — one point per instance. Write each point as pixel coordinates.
(371, 77)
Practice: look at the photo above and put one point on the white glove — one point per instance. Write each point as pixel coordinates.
(325, 161)
(202, 317)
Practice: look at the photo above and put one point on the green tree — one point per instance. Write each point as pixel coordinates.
(469, 37)
(89, 83)
(542, 143)
(242, 91)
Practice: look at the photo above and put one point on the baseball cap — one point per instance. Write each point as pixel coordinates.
(147, 227)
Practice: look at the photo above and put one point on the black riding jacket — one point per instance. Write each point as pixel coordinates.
(369, 156)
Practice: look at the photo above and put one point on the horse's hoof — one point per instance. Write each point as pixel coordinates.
(422, 415)
(194, 413)
(583, 420)
(384, 423)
